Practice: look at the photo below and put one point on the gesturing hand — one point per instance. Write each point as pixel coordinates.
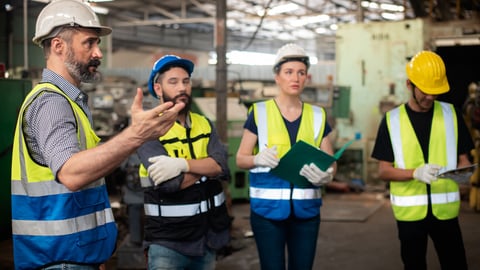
(151, 124)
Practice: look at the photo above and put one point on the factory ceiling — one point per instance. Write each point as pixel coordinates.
(258, 25)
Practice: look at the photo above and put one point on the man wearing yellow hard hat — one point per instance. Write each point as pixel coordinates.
(414, 142)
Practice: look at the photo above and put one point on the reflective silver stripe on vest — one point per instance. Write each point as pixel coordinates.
(317, 121)
(184, 210)
(409, 200)
(284, 193)
(449, 197)
(396, 137)
(451, 144)
(262, 127)
(62, 227)
(145, 182)
(45, 188)
(417, 200)
(262, 130)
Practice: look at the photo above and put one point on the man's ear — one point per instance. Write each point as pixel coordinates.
(158, 90)
(408, 83)
(57, 45)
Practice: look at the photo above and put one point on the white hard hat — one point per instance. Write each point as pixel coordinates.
(66, 12)
(290, 52)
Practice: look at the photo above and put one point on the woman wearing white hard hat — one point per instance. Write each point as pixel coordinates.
(285, 215)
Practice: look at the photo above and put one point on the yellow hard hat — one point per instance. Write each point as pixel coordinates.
(427, 71)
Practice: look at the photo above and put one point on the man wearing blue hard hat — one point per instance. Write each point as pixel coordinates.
(186, 218)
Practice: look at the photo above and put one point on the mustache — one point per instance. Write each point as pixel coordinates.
(94, 62)
(181, 95)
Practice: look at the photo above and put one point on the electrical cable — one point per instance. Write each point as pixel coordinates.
(259, 26)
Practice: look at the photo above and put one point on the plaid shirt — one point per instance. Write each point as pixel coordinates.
(49, 123)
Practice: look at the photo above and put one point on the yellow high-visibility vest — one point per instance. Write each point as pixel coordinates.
(409, 198)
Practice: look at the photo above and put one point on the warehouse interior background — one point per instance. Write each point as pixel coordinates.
(358, 48)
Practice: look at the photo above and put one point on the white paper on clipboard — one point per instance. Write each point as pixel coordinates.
(460, 175)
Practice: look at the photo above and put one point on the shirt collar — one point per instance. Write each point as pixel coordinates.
(69, 89)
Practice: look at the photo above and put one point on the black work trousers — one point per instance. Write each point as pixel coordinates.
(446, 237)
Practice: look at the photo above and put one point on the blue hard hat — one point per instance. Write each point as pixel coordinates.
(162, 64)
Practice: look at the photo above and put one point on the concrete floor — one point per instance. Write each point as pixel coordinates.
(349, 240)
(357, 231)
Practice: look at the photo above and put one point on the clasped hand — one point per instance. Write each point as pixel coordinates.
(164, 168)
(316, 176)
(427, 173)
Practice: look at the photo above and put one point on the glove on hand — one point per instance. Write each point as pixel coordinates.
(427, 173)
(267, 158)
(164, 168)
(316, 176)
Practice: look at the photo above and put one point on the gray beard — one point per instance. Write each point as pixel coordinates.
(80, 71)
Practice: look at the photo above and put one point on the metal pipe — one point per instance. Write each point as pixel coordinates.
(25, 35)
(221, 69)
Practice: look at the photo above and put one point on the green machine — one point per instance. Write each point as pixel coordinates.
(13, 92)
(236, 116)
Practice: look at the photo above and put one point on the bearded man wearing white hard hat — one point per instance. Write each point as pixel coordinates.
(61, 215)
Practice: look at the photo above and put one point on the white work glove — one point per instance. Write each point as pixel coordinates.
(164, 168)
(316, 176)
(427, 173)
(267, 158)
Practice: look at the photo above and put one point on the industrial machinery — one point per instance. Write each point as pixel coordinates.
(110, 102)
(471, 110)
(236, 115)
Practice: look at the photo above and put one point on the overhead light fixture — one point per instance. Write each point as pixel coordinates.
(321, 30)
(283, 9)
(391, 7)
(392, 16)
(304, 20)
(8, 7)
(388, 7)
